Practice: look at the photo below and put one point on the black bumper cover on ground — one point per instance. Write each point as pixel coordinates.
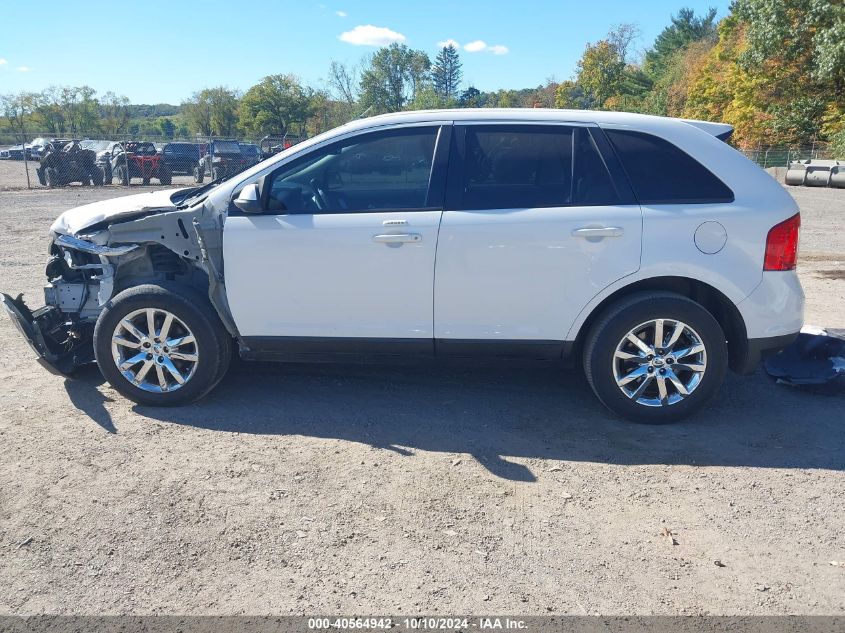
(61, 362)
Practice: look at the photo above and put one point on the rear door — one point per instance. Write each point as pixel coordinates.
(537, 222)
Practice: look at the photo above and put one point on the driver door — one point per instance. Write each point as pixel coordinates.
(342, 257)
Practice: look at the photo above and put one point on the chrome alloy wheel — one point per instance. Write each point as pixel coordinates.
(154, 350)
(660, 362)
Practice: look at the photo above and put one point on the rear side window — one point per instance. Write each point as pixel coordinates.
(513, 167)
(661, 173)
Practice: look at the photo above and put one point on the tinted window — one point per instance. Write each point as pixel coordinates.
(512, 167)
(369, 172)
(661, 173)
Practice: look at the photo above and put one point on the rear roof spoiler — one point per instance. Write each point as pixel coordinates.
(721, 131)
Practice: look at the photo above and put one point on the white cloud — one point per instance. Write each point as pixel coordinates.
(24, 69)
(449, 42)
(340, 14)
(476, 46)
(369, 35)
(480, 46)
(3, 62)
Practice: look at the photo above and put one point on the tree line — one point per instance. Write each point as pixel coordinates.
(774, 70)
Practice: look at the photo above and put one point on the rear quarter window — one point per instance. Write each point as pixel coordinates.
(662, 173)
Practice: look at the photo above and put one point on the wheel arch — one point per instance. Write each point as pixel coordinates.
(712, 299)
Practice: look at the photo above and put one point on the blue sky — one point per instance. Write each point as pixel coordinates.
(154, 51)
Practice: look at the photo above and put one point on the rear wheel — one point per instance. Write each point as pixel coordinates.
(161, 346)
(655, 357)
(107, 175)
(96, 177)
(198, 175)
(216, 173)
(165, 176)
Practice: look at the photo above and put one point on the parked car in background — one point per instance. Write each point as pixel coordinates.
(645, 247)
(223, 158)
(252, 153)
(15, 152)
(34, 150)
(139, 159)
(181, 158)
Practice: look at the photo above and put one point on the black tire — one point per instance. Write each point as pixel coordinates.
(199, 175)
(622, 317)
(165, 176)
(96, 177)
(216, 173)
(51, 177)
(213, 343)
(107, 175)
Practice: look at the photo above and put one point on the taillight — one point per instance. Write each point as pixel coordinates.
(782, 245)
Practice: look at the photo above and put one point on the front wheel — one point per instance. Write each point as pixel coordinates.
(161, 346)
(655, 357)
(199, 174)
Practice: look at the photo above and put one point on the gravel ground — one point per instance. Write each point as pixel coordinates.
(373, 489)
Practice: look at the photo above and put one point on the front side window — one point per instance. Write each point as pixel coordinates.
(518, 167)
(661, 173)
(370, 172)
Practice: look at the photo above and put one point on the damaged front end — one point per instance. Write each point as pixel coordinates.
(91, 260)
(80, 276)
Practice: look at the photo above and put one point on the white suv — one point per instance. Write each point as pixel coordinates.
(646, 247)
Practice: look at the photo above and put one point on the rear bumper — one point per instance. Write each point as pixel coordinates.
(758, 349)
(40, 329)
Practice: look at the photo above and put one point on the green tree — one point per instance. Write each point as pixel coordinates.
(18, 109)
(212, 111)
(81, 109)
(446, 73)
(684, 29)
(795, 30)
(167, 127)
(114, 112)
(392, 77)
(274, 104)
(472, 97)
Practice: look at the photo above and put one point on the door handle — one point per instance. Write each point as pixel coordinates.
(397, 238)
(594, 232)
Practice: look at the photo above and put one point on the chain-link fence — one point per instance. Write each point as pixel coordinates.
(781, 155)
(48, 160)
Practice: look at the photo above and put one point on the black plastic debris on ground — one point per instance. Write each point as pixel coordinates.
(814, 361)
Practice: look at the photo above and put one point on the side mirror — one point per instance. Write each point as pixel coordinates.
(249, 199)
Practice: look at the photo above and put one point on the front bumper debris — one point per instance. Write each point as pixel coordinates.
(60, 346)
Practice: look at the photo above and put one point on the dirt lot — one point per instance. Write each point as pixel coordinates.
(302, 489)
